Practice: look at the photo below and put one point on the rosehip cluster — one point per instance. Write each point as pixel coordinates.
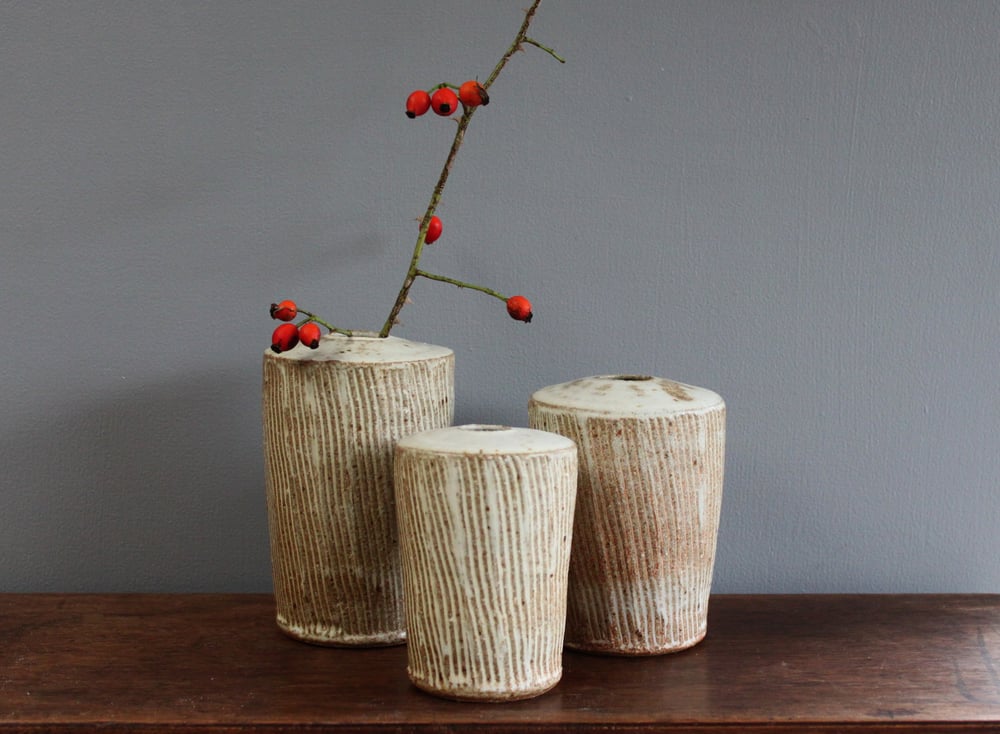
(287, 335)
(444, 101)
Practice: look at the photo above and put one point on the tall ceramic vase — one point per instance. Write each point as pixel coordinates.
(332, 417)
(485, 523)
(647, 517)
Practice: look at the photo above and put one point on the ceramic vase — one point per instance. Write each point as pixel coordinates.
(332, 417)
(648, 507)
(485, 522)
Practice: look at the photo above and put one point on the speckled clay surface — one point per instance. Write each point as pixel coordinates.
(648, 507)
(332, 417)
(485, 518)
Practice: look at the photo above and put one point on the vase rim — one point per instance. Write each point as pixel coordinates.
(626, 395)
(364, 348)
(486, 439)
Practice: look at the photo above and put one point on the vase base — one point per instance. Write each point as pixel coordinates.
(612, 650)
(314, 637)
(487, 696)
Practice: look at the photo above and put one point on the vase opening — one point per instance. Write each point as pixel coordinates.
(632, 378)
(480, 427)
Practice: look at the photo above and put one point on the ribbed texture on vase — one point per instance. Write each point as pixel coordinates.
(330, 427)
(647, 520)
(485, 540)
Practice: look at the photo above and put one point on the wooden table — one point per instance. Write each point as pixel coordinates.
(217, 663)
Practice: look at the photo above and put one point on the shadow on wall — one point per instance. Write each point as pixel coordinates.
(154, 489)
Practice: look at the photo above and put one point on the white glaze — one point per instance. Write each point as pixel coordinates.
(363, 348)
(485, 519)
(627, 395)
(486, 439)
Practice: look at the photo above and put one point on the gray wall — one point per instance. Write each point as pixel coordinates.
(792, 203)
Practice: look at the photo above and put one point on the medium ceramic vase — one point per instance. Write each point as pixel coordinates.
(485, 523)
(332, 417)
(647, 516)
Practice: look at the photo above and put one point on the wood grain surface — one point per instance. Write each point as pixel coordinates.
(218, 663)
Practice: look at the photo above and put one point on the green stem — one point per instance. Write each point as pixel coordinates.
(321, 322)
(413, 271)
(461, 284)
(546, 49)
(418, 249)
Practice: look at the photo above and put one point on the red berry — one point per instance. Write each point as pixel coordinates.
(417, 103)
(433, 230)
(284, 338)
(519, 308)
(284, 311)
(444, 101)
(472, 94)
(309, 334)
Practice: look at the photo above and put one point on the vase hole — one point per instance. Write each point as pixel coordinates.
(632, 378)
(479, 427)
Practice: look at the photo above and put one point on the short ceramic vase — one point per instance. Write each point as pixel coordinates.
(648, 507)
(332, 417)
(485, 523)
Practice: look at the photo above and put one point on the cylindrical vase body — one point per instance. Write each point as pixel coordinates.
(648, 507)
(332, 417)
(485, 524)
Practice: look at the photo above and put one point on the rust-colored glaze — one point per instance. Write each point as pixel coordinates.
(648, 507)
(782, 664)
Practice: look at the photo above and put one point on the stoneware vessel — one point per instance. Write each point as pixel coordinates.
(332, 417)
(485, 523)
(648, 506)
